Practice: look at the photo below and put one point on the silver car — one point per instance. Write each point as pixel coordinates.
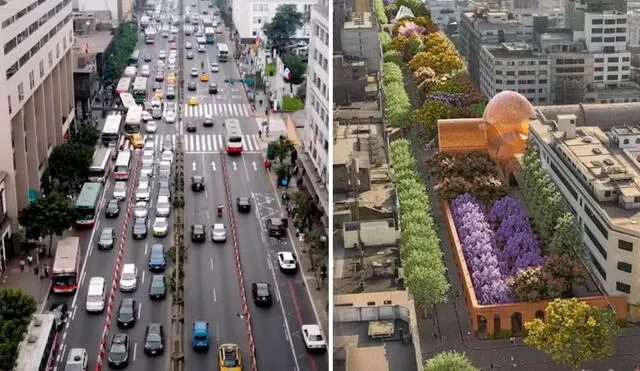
(120, 190)
(163, 206)
(218, 233)
(141, 209)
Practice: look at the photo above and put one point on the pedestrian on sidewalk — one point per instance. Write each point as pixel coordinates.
(260, 101)
(267, 165)
(46, 270)
(259, 134)
(30, 260)
(267, 131)
(22, 263)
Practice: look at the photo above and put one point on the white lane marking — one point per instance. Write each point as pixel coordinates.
(213, 166)
(255, 167)
(143, 272)
(244, 163)
(218, 332)
(235, 166)
(211, 263)
(193, 166)
(215, 299)
(135, 350)
(146, 249)
(139, 310)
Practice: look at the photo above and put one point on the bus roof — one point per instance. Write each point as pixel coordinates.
(30, 353)
(140, 83)
(130, 71)
(123, 85)
(232, 127)
(67, 255)
(112, 124)
(123, 158)
(209, 30)
(134, 115)
(222, 47)
(100, 157)
(127, 100)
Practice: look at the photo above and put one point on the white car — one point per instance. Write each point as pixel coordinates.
(147, 170)
(155, 102)
(172, 59)
(215, 67)
(149, 146)
(120, 190)
(194, 72)
(129, 278)
(287, 261)
(145, 71)
(170, 117)
(313, 338)
(141, 210)
(143, 193)
(174, 30)
(151, 127)
(162, 54)
(160, 227)
(148, 157)
(188, 45)
(218, 233)
(166, 156)
(146, 116)
(163, 206)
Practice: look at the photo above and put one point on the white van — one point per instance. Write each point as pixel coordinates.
(129, 278)
(96, 294)
(146, 70)
(77, 360)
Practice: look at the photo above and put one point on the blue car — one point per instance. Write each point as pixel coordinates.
(157, 262)
(200, 335)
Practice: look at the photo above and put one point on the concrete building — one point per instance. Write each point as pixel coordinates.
(443, 12)
(592, 153)
(5, 224)
(37, 101)
(349, 80)
(633, 28)
(359, 39)
(317, 109)
(250, 15)
(517, 67)
(119, 10)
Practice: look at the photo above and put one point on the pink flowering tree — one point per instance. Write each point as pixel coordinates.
(410, 29)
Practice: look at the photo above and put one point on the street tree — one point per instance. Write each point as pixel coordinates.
(16, 309)
(449, 361)
(573, 332)
(283, 148)
(69, 163)
(85, 134)
(430, 113)
(296, 66)
(47, 216)
(283, 25)
(303, 205)
(566, 237)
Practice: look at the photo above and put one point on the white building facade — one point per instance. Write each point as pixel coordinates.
(37, 100)
(443, 12)
(106, 5)
(250, 15)
(605, 35)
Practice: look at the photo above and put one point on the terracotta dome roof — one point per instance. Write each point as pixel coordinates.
(508, 107)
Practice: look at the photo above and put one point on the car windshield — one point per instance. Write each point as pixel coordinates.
(118, 348)
(128, 276)
(126, 309)
(113, 203)
(288, 261)
(235, 139)
(106, 235)
(156, 255)
(161, 223)
(200, 337)
(262, 290)
(154, 338)
(198, 229)
(315, 337)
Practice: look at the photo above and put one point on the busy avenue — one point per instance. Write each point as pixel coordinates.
(192, 95)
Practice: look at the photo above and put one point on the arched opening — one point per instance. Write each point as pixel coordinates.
(496, 325)
(516, 324)
(482, 326)
(540, 314)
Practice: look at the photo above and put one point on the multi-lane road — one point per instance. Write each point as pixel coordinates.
(212, 282)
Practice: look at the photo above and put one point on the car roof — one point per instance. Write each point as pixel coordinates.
(312, 329)
(218, 225)
(286, 255)
(157, 278)
(200, 325)
(127, 301)
(156, 247)
(261, 285)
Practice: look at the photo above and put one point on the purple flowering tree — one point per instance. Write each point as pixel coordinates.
(476, 239)
(410, 29)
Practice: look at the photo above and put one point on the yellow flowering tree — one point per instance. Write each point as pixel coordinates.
(573, 332)
(438, 54)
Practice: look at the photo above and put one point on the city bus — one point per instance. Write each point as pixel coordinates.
(210, 35)
(134, 58)
(111, 129)
(233, 136)
(38, 349)
(150, 35)
(124, 84)
(99, 169)
(223, 52)
(87, 204)
(140, 89)
(133, 120)
(123, 165)
(127, 100)
(130, 72)
(66, 265)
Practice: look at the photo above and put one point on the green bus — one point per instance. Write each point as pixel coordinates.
(210, 35)
(87, 204)
(134, 58)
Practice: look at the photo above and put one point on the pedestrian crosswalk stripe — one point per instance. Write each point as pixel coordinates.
(200, 142)
(216, 109)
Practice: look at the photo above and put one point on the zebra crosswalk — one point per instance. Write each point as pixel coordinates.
(202, 143)
(216, 110)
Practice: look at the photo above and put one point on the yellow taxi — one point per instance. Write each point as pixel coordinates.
(204, 77)
(171, 78)
(137, 141)
(229, 357)
(193, 101)
(159, 94)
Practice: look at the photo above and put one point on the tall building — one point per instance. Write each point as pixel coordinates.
(316, 138)
(119, 10)
(37, 102)
(250, 15)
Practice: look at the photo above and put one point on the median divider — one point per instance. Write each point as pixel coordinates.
(246, 315)
(118, 264)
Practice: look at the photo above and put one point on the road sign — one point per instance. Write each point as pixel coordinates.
(33, 195)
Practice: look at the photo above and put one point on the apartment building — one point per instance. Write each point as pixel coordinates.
(317, 109)
(592, 152)
(515, 66)
(250, 15)
(443, 12)
(633, 28)
(119, 10)
(37, 100)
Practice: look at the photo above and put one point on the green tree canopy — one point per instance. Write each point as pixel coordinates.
(124, 45)
(16, 309)
(573, 332)
(297, 67)
(449, 361)
(85, 134)
(283, 25)
(69, 163)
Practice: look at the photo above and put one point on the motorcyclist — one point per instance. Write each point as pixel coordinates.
(220, 208)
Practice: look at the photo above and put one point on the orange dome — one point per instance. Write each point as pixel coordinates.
(508, 107)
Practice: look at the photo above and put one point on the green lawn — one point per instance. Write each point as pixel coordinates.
(291, 104)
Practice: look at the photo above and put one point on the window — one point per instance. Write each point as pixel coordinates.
(612, 68)
(41, 69)
(609, 21)
(12, 70)
(613, 60)
(609, 30)
(621, 21)
(596, 39)
(9, 103)
(625, 59)
(612, 77)
(595, 242)
(624, 77)
(564, 181)
(621, 39)
(625, 245)
(543, 81)
(50, 59)
(596, 21)
(599, 60)
(20, 92)
(623, 287)
(57, 50)
(64, 43)
(596, 30)
(10, 45)
(597, 265)
(597, 78)
(625, 267)
(32, 80)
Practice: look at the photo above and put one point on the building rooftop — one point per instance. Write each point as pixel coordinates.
(359, 20)
(513, 50)
(98, 41)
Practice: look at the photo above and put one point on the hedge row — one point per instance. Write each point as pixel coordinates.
(379, 8)
(397, 108)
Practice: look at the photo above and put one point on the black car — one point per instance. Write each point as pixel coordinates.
(244, 204)
(147, 58)
(119, 351)
(275, 227)
(61, 313)
(107, 239)
(157, 261)
(213, 88)
(127, 313)
(261, 294)
(158, 287)
(113, 208)
(191, 85)
(197, 183)
(191, 127)
(208, 122)
(198, 233)
(139, 229)
(159, 77)
(154, 339)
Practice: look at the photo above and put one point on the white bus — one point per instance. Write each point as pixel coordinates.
(223, 52)
(100, 167)
(233, 136)
(111, 129)
(140, 89)
(37, 350)
(130, 71)
(127, 100)
(124, 84)
(132, 121)
(123, 164)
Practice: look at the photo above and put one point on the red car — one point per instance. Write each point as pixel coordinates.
(173, 46)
